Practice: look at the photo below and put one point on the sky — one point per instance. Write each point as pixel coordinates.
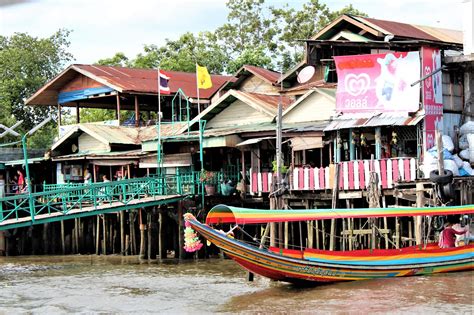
(100, 28)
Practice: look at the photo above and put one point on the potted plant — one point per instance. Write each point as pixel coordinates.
(207, 178)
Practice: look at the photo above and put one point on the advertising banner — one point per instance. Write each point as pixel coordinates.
(378, 82)
(432, 95)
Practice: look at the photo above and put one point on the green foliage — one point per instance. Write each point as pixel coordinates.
(119, 60)
(96, 114)
(283, 168)
(182, 54)
(26, 64)
(255, 57)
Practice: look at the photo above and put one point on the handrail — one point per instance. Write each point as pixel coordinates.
(63, 199)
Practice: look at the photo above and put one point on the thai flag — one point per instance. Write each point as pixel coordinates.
(164, 83)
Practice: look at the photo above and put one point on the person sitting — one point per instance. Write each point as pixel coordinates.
(448, 236)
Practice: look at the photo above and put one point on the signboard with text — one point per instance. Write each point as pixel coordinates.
(432, 94)
(378, 82)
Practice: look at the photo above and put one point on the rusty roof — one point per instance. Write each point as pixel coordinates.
(265, 74)
(271, 101)
(377, 29)
(145, 80)
(125, 80)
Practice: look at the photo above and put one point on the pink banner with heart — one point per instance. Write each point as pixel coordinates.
(432, 95)
(378, 82)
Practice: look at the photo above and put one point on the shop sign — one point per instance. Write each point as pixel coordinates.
(378, 82)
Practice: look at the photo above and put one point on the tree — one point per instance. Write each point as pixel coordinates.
(26, 64)
(183, 54)
(118, 60)
(255, 57)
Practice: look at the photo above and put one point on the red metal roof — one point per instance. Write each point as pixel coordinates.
(401, 29)
(145, 80)
(268, 75)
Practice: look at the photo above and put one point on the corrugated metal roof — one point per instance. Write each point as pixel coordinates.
(145, 80)
(125, 80)
(102, 155)
(271, 101)
(268, 75)
(413, 31)
(347, 121)
(113, 134)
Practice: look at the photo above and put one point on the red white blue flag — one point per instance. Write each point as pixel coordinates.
(164, 83)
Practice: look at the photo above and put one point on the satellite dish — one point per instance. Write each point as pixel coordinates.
(305, 74)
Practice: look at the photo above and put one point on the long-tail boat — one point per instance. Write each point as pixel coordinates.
(324, 266)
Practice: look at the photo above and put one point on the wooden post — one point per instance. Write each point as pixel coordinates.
(142, 234)
(309, 225)
(335, 193)
(418, 218)
(137, 112)
(78, 113)
(132, 233)
(97, 236)
(180, 230)
(152, 234)
(46, 238)
(397, 233)
(63, 243)
(122, 232)
(77, 232)
(161, 236)
(439, 147)
(323, 235)
(378, 143)
(117, 113)
(286, 237)
(59, 115)
(104, 235)
(316, 225)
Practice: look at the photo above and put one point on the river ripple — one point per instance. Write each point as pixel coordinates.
(113, 284)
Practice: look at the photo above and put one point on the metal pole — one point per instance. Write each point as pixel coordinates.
(197, 89)
(158, 148)
(28, 181)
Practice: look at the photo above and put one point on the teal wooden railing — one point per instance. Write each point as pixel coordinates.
(66, 198)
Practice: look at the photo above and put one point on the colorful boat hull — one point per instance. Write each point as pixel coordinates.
(326, 267)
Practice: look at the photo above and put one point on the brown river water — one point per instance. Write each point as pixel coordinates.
(112, 284)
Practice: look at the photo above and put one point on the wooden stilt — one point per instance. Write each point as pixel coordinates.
(161, 236)
(76, 230)
(323, 235)
(132, 233)
(286, 235)
(122, 232)
(397, 233)
(142, 234)
(418, 219)
(104, 235)
(45, 238)
(316, 226)
(63, 243)
(180, 230)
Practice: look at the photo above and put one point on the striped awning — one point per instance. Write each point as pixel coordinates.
(228, 214)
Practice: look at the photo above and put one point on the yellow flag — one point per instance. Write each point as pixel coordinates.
(203, 78)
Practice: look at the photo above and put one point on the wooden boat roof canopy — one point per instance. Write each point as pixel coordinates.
(227, 214)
